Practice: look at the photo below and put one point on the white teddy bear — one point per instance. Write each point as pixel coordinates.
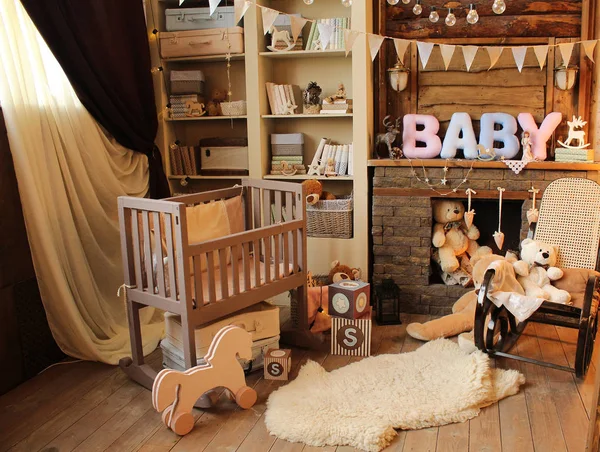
(541, 259)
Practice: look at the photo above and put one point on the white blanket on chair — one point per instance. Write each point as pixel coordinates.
(506, 291)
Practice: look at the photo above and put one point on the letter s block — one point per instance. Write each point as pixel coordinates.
(350, 337)
(278, 363)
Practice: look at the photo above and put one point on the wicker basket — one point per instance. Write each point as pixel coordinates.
(235, 108)
(330, 218)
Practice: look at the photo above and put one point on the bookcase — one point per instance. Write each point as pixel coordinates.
(249, 73)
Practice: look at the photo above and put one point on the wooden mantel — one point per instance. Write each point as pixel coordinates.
(440, 163)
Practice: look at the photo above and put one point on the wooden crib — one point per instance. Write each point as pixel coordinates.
(266, 259)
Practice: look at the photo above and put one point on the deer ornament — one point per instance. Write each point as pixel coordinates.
(578, 135)
(174, 393)
(389, 137)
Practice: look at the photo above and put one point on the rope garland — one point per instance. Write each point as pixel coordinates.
(443, 181)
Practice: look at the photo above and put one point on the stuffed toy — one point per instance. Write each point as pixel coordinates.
(340, 272)
(541, 259)
(214, 106)
(451, 236)
(313, 190)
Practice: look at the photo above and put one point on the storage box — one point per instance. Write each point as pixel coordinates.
(187, 82)
(201, 42)
(235, 108)
(179, 19)
(287, 143)
(221, 154)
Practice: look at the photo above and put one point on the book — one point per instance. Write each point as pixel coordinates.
(176, 162)
(587, 153)
(319, 152)
(309, 40)
(187, 162)
(289, 96)
(280, 167)
(280, 173)
(344, 162)
(278, 100)
(334, 112)
(326, 153)
(338, 158)
(271, 97)
(315, 35)
(282, 99)
(195, 159)
(571, 158)
(350, 159)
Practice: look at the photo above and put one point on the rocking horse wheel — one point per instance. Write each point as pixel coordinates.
(182, 423)
(245, 397)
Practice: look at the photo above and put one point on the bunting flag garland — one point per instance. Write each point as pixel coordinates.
(349, 38)
(494, 53)
(519, 56)
(401, 45)
(541, 52)
(447, 52)
(212, 5)
(588, 47)
(325, 33)
(375, 42)
(566, 50)
(425, 49)
(240, 9)
(297, 26)
(268, 17)
(469, 53)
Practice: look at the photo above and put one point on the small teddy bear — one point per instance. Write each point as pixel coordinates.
(541, 259)
(313, 190)
(340, 272)
(214, 106)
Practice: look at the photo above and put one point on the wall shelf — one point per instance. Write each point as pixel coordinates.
(205, 118)
(345, 115)
(174, 177)
(205, 59)
(305, 54)
(306, 177)
(440, 163)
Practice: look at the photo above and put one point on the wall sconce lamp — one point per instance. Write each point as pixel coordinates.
(565, 77)
(398, 76)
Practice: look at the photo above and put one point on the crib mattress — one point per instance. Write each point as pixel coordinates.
(173, 355)
(260, 320)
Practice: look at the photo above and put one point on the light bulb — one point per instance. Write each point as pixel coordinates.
(309, 2)
(433, 15)
(450, 18)
(157, 69)
(499, 6)
(347, 3)
(406, 2)
(472, 16)
(417, 9)
(393, 2)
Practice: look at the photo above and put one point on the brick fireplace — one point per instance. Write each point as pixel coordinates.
(401, 221)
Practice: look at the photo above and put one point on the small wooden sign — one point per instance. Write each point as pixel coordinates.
(278, 363)
(349, 299)
(351, 337)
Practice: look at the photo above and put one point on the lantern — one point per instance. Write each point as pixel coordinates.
(387, 299)
(565, 77)
(398, 76)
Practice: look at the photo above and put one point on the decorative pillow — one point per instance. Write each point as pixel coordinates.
(574, 281)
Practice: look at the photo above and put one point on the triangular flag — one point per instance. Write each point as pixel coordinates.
(375, 42)
(268, 17)
(519, 56)
(447, 52)
(180, 2)
(494, 53)
(349, 38)
(212, 5)
(541, 52)
(401, 46)
(240, 6)
(325, 33)
(566, 50)
(589, 47)
(297, 25)
(469, 53)
(425, 49)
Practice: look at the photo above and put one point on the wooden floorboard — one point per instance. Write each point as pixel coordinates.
(93, 407)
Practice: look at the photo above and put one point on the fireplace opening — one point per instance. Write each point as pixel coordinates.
(486, 220)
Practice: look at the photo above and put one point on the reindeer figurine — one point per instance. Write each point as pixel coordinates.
(579, 135)
(174, 393)
(389, 137)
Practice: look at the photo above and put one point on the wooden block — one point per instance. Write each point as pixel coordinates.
(351, 337)
(349, 299)
(278, 363)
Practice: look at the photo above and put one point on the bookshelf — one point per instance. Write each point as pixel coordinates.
(250, 71)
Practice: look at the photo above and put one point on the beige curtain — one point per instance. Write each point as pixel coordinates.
(70, 175)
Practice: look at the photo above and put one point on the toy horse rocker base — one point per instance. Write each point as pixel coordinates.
(174, 393)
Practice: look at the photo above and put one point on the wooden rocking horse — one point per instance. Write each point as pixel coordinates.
(174, 393)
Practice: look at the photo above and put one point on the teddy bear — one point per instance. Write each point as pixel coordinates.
(340, 272)
(214, 106)
(541, 259)
(313, 190)
(451, 236)
(462, 318)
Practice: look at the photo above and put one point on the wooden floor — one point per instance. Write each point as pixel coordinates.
(93, 407)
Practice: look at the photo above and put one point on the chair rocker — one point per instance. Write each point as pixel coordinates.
(569, 217)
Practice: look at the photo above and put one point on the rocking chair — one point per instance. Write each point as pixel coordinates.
(569, 217)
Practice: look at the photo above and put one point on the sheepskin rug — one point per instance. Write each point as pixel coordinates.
(361, 404)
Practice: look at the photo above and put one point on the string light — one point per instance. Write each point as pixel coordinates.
(406, 2)
(499, 6)
(450, 18)
(443, 182)
(433, 15)
(393, 2)
(472, 15)
(417, 9)
(156, 69)
(347, 3)
(309, 2)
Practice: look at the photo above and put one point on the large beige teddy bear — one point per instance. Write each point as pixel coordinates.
(541, 259)
(451, 235)
(462, 318)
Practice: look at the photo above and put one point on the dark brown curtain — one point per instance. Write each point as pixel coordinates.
(103, 48)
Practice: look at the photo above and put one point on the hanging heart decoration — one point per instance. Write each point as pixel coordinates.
(499, 235)
(470, 213)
